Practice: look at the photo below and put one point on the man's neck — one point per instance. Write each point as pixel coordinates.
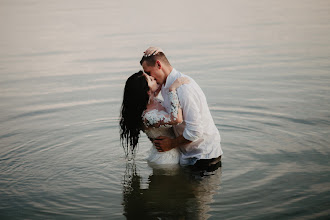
(167, 71)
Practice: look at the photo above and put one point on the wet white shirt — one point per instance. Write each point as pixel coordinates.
(198, 125)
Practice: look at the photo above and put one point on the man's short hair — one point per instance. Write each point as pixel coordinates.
(151, 60)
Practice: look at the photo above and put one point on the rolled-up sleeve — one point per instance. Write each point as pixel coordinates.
(191, 108)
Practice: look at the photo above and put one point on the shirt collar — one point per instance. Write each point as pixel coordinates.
(171, 78)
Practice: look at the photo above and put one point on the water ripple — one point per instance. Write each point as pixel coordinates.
(46, 109)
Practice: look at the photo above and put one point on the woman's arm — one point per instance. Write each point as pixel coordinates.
(152, 51)
(178, 82)
(174, 117)
(176, 111)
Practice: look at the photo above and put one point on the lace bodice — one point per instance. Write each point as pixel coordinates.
(163, 130)
(152, 117)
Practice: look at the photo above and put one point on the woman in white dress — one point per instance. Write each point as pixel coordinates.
(141, 110)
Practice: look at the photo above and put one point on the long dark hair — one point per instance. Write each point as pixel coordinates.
(135, 101)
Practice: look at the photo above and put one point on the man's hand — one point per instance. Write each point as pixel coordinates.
(163, 143)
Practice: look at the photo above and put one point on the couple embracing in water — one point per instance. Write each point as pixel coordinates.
(180, 126)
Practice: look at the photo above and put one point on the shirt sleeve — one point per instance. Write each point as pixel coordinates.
(190, 104)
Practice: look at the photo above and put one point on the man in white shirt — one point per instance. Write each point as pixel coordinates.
(197, 137)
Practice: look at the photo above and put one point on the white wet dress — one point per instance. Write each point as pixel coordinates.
(154, 117)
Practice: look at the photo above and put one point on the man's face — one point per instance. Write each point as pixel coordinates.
(155, 72)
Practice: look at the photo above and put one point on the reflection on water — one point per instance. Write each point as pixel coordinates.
(170, 193)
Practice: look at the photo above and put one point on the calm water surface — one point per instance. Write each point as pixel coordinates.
(263, 65)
